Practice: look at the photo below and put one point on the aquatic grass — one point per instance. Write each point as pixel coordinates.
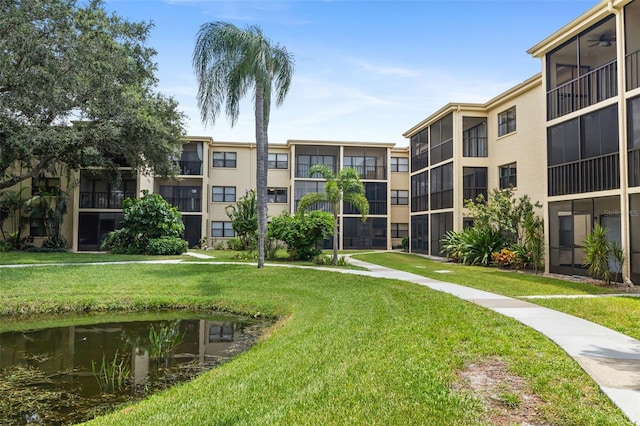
(112, 375)
(164, 341)
(347, 349)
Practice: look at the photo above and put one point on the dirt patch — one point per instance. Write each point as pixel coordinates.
(506, 397)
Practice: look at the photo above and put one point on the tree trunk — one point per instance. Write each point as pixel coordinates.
(262, 150)
(335, 237)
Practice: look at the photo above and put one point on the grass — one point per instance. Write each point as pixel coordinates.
(617, 313)
(346, 350)
(26, 258)
(505, 282)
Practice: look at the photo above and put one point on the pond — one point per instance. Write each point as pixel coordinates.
(70, 374)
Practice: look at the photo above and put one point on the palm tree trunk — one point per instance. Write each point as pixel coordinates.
(262, 149)
(335, 237)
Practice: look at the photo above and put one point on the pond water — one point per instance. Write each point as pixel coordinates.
(70, 374)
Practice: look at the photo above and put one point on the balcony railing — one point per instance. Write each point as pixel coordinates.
(633, 70)
(364, 243)
(302, 170)
(371, 172)
(191, 168)
(103, 200)
(593, 174)
(375, 207)
(420, 203)
(420, 161)
(185, 204)
(324, 206)
(590, 88)
(472, 193)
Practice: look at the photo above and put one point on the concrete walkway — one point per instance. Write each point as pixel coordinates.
(610, 358)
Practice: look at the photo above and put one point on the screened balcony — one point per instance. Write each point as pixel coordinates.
(588, 89)
(370, 163)
(577, 177)
(309, 156)
(583, 71)
(190, 162)
(99, 191)
(632, 44)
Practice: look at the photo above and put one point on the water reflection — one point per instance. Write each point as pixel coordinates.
(53, 376)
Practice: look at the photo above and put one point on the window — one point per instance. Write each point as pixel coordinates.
(224, 194)
(399, 230)
(507, 122)
(399, 164)
(224, 159)
(399, 197)
(474, 137)
(276, 195)
(508, 176)
(278, 161)
(441, 139)
(45, 185)
(474, 183)
(420, 150)
(305, 162)
(222, 229)
(420, 192)
(442, 187)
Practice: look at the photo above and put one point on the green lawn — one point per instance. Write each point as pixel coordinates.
(345, 349)
(618, 313)
(505, 282)
(21, 257)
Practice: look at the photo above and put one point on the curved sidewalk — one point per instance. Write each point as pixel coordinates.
(610, 358)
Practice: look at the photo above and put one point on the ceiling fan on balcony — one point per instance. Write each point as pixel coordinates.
(604, 40)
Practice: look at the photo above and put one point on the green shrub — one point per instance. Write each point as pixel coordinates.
(302, 233)
(5, 246)
(219, 246)
(143, 220)
(472, 246)
(235, 244)
(596, 253)
(166, 246)
(55, 243)
(405, 243)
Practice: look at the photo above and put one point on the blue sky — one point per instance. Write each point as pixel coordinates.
(365, 70)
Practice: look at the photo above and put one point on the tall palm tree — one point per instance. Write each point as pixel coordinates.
(228, 62)
(344, 186)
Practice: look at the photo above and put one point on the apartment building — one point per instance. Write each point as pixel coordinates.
(591, 78)
(465, 150)
(568, 137)
(214, 175)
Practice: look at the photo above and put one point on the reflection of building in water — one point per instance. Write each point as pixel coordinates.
(72, 349)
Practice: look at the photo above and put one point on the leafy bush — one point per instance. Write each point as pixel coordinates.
(55, 243)
(302, 233)
(5, 246)
(219, 246)
(235, 244)
(596, 253)
(145, 219)
(472, 246)
(166, 246)
(405, 243)
(504, 258)
(244, 219)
